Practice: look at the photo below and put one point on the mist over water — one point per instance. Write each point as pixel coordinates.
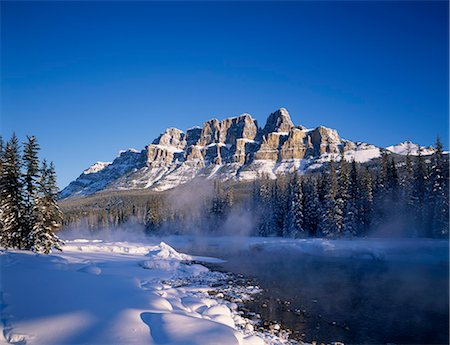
(366, 291)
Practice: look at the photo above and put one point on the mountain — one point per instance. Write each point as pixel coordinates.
(413, 149)
(234, 148)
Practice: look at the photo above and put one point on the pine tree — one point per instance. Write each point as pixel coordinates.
(218, 206)
(293, 223)
(351, 213)
(11, 197)
(420, 194)
(153, 218)
(439, 193)
(406, 185)
(331, 218)
(311, 206)
(380, 192)
(48, 215)
(366, 203)
(31, 165)
(280, 201)
(342, 196)
(392, 183)
(229, 199)
(265, 209)
(2, 153)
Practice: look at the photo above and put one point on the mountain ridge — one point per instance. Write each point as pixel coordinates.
(232, 148)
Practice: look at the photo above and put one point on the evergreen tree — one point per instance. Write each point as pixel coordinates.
(380, 192)
(406, 194)
(11, 197)
(218, 206)
(293, 223)
(153, 218)
(351, 211)
(311, 206)
(48, 215)
(331, 218)
(419, 195)
(2, 152)
(280, 201)
(365, 207)
(229, 199)
(342, 196)
(31, 165)
(439, 193)
(265, 210)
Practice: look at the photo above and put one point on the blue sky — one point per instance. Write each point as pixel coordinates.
(91, 78)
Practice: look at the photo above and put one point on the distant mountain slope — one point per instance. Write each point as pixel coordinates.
(234, 148)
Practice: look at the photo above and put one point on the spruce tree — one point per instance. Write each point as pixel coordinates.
(265, 209)
(153, 219)
(11, 197)
(293, 224)
(48, 215)
(342, 196)
(406, 184)
(332, 216)
(420, 194)
(218, 205)
(2, 151)
(365, 207)
(311, 206)
(31, 165)
(439, 193)
(280, 201)
(351, 211)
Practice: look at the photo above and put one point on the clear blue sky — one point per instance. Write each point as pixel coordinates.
(91, 78)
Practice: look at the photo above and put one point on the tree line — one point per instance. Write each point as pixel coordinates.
(29, 212)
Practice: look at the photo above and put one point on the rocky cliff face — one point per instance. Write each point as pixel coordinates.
(234, 148)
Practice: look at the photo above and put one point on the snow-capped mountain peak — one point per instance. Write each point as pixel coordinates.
(233, 148)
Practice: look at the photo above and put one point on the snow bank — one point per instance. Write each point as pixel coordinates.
(97, 292)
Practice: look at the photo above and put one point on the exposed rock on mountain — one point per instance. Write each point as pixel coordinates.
(279, 122)
(234, 148)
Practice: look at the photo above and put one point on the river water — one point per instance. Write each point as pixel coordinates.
(377, 292)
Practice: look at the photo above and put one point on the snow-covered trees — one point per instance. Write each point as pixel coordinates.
(294, 217)
(30, 215)
(47, 215)
(12, 200)
(31, 174)
(153, 217)
(439, 193)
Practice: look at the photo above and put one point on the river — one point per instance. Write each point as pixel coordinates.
(356, 292)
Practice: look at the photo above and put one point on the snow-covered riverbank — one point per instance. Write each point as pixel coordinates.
(97, 292)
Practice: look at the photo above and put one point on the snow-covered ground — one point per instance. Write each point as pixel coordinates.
(97, 292)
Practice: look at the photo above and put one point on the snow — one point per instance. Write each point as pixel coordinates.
(361, 153)
(167, 148)
(133, 150)
(413, 149)
(96, 167)
(97, 292)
